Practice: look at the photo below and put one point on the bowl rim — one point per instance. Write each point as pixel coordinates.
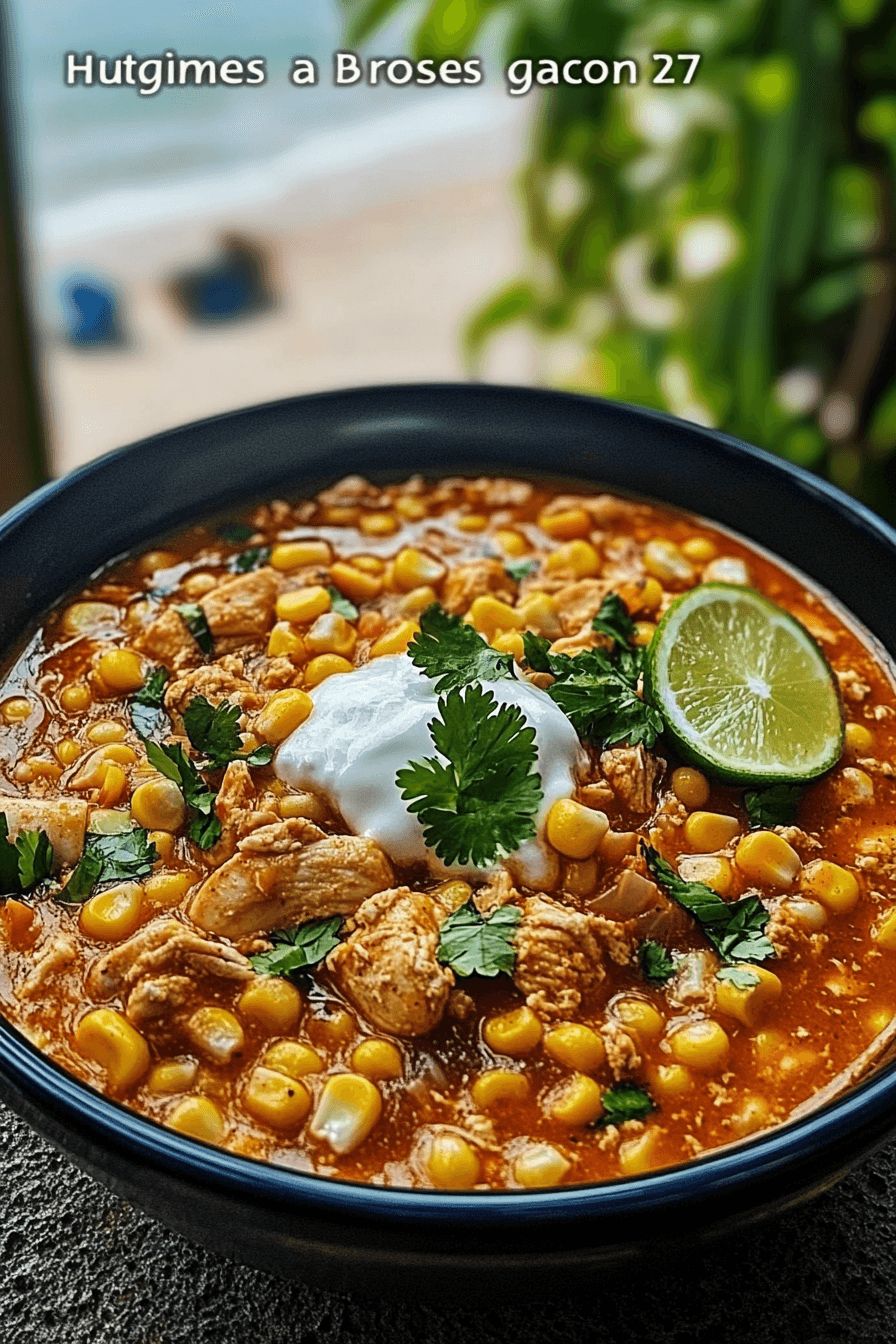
(723, 1172)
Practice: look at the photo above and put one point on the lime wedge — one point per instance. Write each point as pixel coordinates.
(745, 691)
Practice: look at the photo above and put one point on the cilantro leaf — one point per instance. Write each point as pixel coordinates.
(519, 569)
(453, 653)
(236, 532)
(739, 976)
(341, 605)
(479, 803)
(121, 857)
(35, 857)
(299, 948)
(193, 618)
(10, 883)
(535, 651)
(252, 558)
(213, 731)
(170, 759)
(774, 806)
(736, 929)
(656, 964)
(83, 879)
(614, 621)
(471, 945)
(147, 703)
(625, 1101)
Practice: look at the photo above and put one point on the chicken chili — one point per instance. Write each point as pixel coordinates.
(463, 834)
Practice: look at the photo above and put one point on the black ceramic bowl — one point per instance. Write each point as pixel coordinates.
(382, 1240)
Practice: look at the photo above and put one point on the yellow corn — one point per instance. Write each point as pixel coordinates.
(331, 633)
(413, 568)
(489, 615)
(341, 515)
(275, 1099)
(713, 870)
(708, 831)
(513, 543)
(699, 549)
(151, 561)
(539, 613)
(354, 584)
(172, 1075)
(836, 887)
(349, 1107)
(38, 767)
(878, 1019)
(417, 600)
(74, 699)
(641, 595)
(303, 604)
(113, 914)
(637, 1155)
(109, 821)
(105, 731)
(16, 709)
(574, 830)
(644, 632)
(858, 740)
(540, 1165)
(577, 1102)
(273, 1002)
(407, 506)
(884, 932)
(121, 670)
(665, 562)
(296, 554)
(285, 711)
(452, 1163)
(670, 1081)
(690, 787)
(378, 524)
(452, 894)
(700, 1045)
(107, 1037)
(337, 1029)
(640, 1019)
(753, 1113)
(164, 843)
(285, 642)
(216, 1032)
(197, 585)
(509, 642)
(293, 1058)
(765, 857)
(377, 1059)
(326, 665)
(86, 618)
(576, 1047)
(514, 1033)
(370, 564)
(114, 786)
(67, 751)
(93, 770)
(809, 914)
(499, 1085)
(159, 805)
(748, 1005)
(395, 640)
(199, 1117)
(579, 556)
(768, 1045)
(472, 522)
(168, 889)
(566, 524)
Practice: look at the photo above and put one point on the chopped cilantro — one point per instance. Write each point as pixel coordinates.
(213, 731)
(598, 692)
(193, 618)
(736, 929)
(614, 621)
(83, 879)
(147, 703)
(471, 945)
(479, 803)
(25, 862)
(774, 806)
(171, 760)
(739, 976)
(253, 558)
(519, 569)
(121, 857)
(299, 948)
(236, 532)
(656, 964)
(625, 1101)
(453, 653)
(341, 605)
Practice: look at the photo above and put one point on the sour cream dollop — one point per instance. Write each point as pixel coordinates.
(370, 723)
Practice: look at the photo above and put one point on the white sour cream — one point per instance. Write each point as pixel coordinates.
(369, 724)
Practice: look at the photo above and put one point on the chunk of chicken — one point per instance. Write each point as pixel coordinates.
(633, 897)
(389, 967)
(63, 821)
(475, 578)
(167, 640)
(632, 774)
(242, 606)
(560, 955)
(58, 956)
(235, 808)
(163, 947)
(580, 602)
(255, 892)
(158, 998)
(222, 680)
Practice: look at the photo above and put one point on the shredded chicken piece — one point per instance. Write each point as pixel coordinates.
(579, 603)
(632, 774)
(167, 640)
(235, 808)
(159, 997)
(163, 947)
(389, 967)
(622, 1052)
(498, 492)
(281, 837)
(61, 953)
(476, 578)
(353, 491)
(560, 955)
(499, 891)
(221, 680)
(242, 606)
(63, 820)
(253, 893)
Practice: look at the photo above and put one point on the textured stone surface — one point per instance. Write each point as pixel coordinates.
(79, 1266)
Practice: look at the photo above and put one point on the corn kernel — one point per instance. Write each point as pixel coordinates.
(752, 1114)
(21, 924)
(644, 633)
(749, 1005)
(197, 585)
(370, 564)
(700, 1045)
(114, 786)
(40, 767)
(574, 830)
(164, 843)
(768, 1045)
(341, 515)
(452, 894)
(286, 710)
(513, 543)
(708, 831)
(276, 1099)
(509, 642)
(159, 805)
(88, 618)
(17, 709)
(168, 889)
(105, 731)
(579, 556)
(539, 613)
(489, 615)
(326, 665)
(395, 640)
(641, 595)
(514, 1033)
(884, 932)
(856, 787)
(858, 740)
(765, 857)
(303, 605)
(349, 1107)
(452, 1163)
(113, 914)
(691, 787)
(411, 508)
(331, 633)
(540, 1165)
(354, 584)
(121, 670)
(172, 1075)
(807, 914)
(216, 1032)
(107, 1037)
(670, 1081)
(198, 1117)
(566, 524)
(414, 568)
(576, 1047)
(285, 642)
(471, 522)
(713, 870)
(93, 771)
(836, 887)
(577, 1101)
(499, 1085)
(76, 698)
(296, 554)
(151, 561)
(417, 600)
(377, 1059)
(638, 1155)
(640, 1019)
(67, 751)
(378, 524)
(293, 1058)
(879, 1019)
(699, 549)
(273, 1002)
(665, 562)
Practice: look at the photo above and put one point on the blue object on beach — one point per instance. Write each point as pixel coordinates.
(234, 284)
(90, 312)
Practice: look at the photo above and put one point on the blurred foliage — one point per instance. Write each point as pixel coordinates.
(722, 250)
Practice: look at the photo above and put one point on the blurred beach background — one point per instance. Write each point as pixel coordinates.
(724, 250)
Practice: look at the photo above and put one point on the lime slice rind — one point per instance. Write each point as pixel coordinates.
(746, 692)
